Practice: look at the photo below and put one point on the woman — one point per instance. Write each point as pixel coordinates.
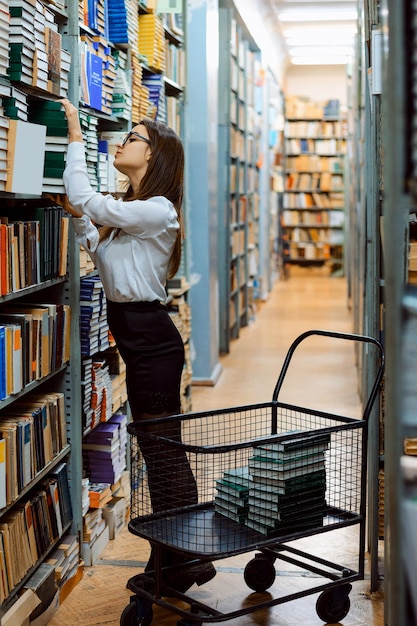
(135, 248)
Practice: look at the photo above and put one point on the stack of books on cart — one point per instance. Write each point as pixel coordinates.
(282, 489)
(232, 495)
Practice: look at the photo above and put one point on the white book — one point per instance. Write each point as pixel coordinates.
(25, 167)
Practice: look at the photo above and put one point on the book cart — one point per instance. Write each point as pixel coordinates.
(253, 478)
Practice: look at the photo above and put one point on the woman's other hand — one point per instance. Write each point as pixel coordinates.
(70, 209)
(74, 127)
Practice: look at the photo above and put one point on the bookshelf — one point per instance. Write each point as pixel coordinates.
(239, 176)
(38, 305)
(313, 213)
(91, 55)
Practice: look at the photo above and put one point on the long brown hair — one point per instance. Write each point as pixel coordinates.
(164, 177)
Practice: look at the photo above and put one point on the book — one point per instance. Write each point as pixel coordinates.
(25, 167)
(294, 446)
(3, 499)
(60, 473)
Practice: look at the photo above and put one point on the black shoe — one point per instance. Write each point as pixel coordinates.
(185, 578)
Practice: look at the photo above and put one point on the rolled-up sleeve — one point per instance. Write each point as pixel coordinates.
(141, 218)
(86, 233)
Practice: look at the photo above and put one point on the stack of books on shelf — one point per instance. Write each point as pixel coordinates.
(93, 525)
(95, 16)
(86, 263)
(155, 85)
(15, 105)
(44, 584)
(123, 22)
(100, 494)
(4, 37)
(35, 48)
(284, 486)
(98, 73)
(97, 392)
(93, 316)
(51, 114)
(105, 449)
(122, 92)
(4, 127)
(102, 390)
(152, 41)
(65, 559)
(117, 371)
(89, 124)
(117, 182)
(141, 106)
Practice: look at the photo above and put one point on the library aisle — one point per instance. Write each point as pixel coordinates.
(308, 300)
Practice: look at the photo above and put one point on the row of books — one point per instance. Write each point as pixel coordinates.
(314, 163)
(34, 342)
(32, 433)
(311, 217)
(29, 529)
(322, 147)
(281, 489)
(320, 181)
(313, 251)
(33, 251)
(305, 200)
(306, 234)
(303, 108)
(314, 129)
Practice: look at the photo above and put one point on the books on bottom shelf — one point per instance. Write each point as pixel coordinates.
(283, 487)
(65, 558)
(31, 527)
(100, 494)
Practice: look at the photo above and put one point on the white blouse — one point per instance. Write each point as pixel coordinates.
(132, 264)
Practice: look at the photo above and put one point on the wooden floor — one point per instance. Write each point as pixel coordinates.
(324, 378)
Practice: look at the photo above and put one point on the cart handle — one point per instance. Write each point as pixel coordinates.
(350, 337)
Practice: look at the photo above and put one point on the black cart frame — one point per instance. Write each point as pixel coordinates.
(245, 500)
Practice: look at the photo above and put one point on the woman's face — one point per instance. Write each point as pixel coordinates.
(132, 155)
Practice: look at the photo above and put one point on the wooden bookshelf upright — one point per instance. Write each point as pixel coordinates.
(313, 213)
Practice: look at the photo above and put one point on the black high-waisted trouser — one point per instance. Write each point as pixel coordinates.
(153, 350)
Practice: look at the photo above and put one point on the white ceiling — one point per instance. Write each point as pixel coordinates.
(317, 32)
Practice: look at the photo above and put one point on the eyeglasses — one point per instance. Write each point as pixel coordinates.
(132, 133)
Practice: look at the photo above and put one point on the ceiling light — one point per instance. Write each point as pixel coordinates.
(312, 38)
(294, 15)
(325, 60)
(321, 50)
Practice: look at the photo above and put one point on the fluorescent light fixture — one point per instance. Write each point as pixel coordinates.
(325, 60)
(320, 50)
(332, 35)
(294, 15)
(312, 39)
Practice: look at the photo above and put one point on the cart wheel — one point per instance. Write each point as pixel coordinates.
(259, 574)
(333, 605)
(137, 613)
